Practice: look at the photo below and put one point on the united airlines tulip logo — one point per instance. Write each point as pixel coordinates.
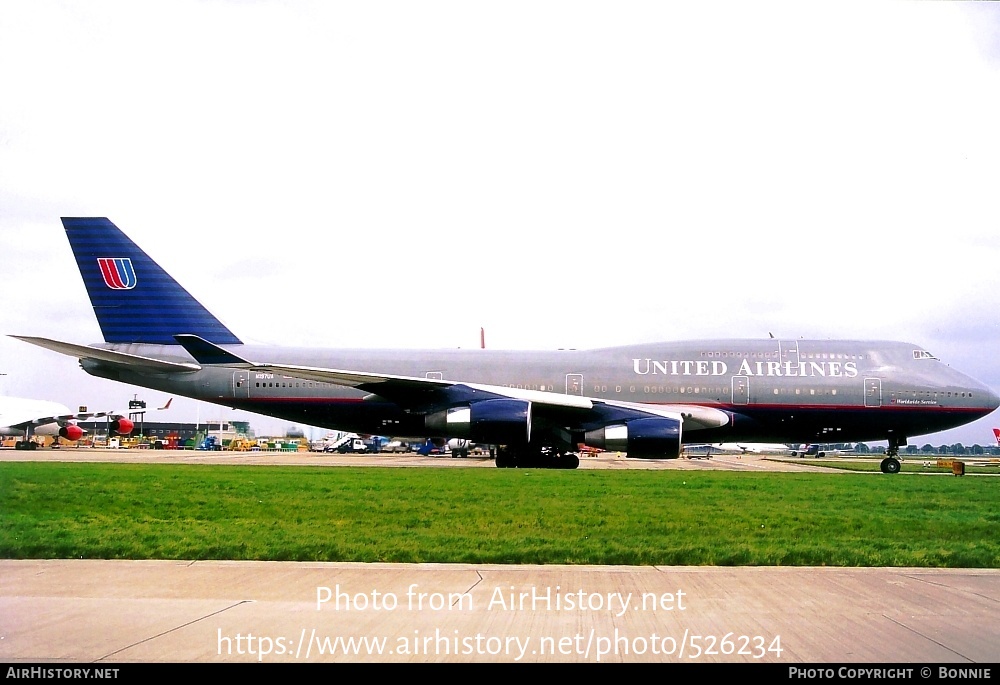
(117, 272)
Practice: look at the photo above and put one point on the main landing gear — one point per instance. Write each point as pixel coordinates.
(891, 463)
(28, 443)
(534, 457)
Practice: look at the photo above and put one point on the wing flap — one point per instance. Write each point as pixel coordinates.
(695, 416)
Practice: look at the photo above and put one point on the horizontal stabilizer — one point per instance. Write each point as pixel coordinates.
(207, 353)
(98, 354)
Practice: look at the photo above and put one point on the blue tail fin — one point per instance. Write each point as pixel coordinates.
(134, 299)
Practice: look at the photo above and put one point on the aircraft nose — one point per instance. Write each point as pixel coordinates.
(985, 397)
(992, 400)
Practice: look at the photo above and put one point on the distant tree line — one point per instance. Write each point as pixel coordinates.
(957, 450)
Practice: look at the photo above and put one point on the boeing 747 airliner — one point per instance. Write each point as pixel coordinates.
(645, 400)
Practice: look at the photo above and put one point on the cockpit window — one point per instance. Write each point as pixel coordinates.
(921, 354)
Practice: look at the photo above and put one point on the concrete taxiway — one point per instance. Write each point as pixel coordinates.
(609, 460)
(220, 611)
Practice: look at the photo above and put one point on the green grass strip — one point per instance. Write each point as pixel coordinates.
(509, 516)
(908, 466)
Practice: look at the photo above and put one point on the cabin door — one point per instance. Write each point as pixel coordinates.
(873, 392)
(741, 390)
(788, 351)
(241, 384)
(574, 384)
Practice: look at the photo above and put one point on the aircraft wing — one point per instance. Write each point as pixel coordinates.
(20, 413)
(415, 391)
(24, 420)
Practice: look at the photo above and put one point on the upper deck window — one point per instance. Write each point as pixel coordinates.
(921, 354)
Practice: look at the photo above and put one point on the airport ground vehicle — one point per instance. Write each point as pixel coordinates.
(352, 446)
(210, 443)
(431, 448)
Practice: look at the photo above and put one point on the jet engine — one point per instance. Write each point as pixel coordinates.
(495, 422)
(122, 426)
(651, 438)
(71, 432)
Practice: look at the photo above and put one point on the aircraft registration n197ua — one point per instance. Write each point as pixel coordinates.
(645, 400)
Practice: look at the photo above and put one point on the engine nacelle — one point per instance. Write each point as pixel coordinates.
(71, 432)
(652, 438)
(122, 426)
(494, 422)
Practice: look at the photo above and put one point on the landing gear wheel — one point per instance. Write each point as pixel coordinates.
(890, 465)
(504, 459)
(531, 457)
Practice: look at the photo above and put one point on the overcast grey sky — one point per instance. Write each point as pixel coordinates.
(565, 174)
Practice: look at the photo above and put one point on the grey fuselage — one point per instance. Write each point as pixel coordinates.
(774, 390)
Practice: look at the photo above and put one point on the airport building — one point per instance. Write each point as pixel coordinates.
(223, 430)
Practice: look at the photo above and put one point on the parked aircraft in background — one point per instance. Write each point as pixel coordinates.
(645, 400)
(459, 447)
(996, 434)
(815, 450)
(25, 417)
(751, 447)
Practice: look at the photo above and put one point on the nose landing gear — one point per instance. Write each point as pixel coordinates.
(891, 463)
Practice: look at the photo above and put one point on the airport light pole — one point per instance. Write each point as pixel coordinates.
(136, 404)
